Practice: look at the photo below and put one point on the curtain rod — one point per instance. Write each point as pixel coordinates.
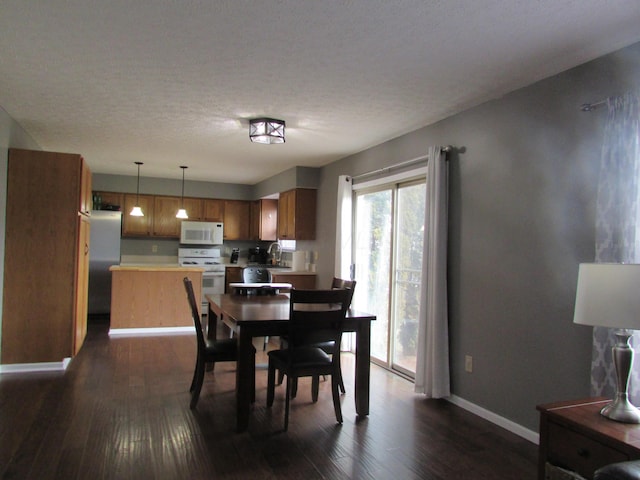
(587, 107)
(422, 158)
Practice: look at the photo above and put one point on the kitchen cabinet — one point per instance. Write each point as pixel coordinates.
(46, 194)
(165, 223)
(297, 214)
(232, 275)
(212, 210)
(137, 226)
(82, 283)
(264, 220)
(237, 216)
(193, 206)
(297, 280)
(110, 199)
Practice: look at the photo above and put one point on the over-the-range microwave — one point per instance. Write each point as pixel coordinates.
(201, 233)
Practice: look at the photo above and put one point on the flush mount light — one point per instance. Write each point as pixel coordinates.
(182, 213)
(266, 130)
(137, 211)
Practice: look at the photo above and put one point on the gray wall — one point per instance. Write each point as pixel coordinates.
(522, 202)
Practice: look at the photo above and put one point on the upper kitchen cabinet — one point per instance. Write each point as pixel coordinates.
(297, 214)
(237, 216)
(264, 220)
(45, 194)
(165, 223)
(193, 206)
(212, 210)
(110, 200)
(137, 226)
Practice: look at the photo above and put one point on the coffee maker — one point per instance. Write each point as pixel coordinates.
(258, 255)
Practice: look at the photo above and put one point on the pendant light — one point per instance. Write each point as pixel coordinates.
(182, 213)
(137, 211)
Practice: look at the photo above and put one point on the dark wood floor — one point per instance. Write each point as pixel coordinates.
(121, 411)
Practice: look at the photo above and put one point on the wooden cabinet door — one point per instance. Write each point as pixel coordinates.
(137, 226)
(193, 206)
(213, 210)
(237, 215)
(304, 218)
(165, 223)
(264, 220)
(285, 208)
(232, 275)
(82, 284)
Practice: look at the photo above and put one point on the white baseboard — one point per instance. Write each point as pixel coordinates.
(129, 332)
(36, 367)
(513, 427)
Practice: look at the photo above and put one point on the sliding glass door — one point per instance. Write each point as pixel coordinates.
(389, 230)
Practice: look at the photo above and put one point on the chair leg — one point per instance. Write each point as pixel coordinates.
(271, 380)
(265, 343)
(294, 386)
(253, 379)
(287, 404)
(280, 377)
(315, 385)
(340, 381)
(336, 397)
(195, 376)
(199, 379)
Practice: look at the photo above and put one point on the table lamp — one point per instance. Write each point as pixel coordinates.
(608, 295)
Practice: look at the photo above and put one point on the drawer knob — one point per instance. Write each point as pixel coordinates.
(583, 452)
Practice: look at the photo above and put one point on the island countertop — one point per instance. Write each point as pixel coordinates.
(141, 267)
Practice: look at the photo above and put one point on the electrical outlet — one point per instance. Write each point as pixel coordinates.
(468, 363)
(154, 248)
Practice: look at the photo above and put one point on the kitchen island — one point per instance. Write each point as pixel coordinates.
(151, 298)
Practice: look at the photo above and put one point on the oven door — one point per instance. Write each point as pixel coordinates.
(212, 284)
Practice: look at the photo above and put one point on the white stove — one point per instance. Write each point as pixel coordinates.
(213, 276)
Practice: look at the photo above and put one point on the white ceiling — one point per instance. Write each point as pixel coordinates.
(174, 82)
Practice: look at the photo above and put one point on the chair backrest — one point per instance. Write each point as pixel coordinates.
(317, 313)
(191, 297)
(350, 285)
(256, 275)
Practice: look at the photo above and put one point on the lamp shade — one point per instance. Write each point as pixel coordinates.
(266, 130)
(608, 295)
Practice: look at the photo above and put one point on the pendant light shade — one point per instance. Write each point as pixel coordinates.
(137, 211)
(266, 130)
(182, 213)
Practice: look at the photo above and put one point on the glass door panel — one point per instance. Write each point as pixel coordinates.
(373, 265)
(407, 282)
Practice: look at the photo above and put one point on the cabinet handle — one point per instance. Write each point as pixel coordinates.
(583, 452)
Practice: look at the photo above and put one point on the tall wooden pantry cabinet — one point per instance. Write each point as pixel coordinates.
(46, 265)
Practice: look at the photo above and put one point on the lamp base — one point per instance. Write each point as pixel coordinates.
(621, 410)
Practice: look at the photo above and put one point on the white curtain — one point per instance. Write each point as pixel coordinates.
(617, 225)
(343, 260)
(432, 368)
(343, 228)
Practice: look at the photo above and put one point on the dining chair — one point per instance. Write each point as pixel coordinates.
(257, 275)
(336, 283)
(312, 314)
(209, 350)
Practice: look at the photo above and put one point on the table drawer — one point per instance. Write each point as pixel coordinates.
(576, 452)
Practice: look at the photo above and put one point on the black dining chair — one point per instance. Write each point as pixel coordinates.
(312, 314)
(327, 346)
(209, 350)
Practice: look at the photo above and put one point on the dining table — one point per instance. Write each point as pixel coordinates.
(250, 316)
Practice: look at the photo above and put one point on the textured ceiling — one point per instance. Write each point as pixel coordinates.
(174, 82)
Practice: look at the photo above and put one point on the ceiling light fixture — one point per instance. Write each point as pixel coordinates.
(137, 211)
(182, 213)
(266, 130)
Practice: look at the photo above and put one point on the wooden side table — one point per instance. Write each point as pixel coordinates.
(574, 436)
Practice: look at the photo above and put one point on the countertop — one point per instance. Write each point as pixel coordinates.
(153, 268)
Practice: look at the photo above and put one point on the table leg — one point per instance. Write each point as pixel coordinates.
(212, 323)
(245, 375)
(363, 367)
